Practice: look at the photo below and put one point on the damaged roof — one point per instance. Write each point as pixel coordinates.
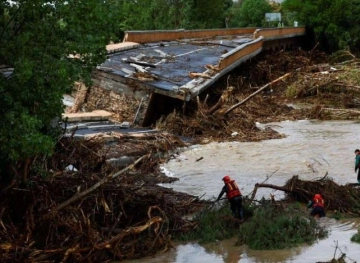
(167, 64)
(183, 63)
(171, 65)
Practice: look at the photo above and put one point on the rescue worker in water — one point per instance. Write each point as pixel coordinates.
(317, 205)
(234, 197)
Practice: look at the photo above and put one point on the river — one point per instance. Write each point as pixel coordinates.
(310, 150)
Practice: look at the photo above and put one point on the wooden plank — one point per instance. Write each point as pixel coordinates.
(98, 115)
(112, 48)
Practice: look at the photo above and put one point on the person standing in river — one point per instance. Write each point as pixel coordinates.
(233, 195)
(357, 164)
(317, 205)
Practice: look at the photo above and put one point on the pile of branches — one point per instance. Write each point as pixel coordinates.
(253, 92)
(333, 87)
(213, 121)
(341, 198)
(93, 214)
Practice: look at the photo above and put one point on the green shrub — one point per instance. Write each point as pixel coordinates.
(335, 22)
(356, 237)
(213, 223)
(279, 226)
(337, 215)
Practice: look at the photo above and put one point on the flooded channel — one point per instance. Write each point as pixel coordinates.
(310, 150)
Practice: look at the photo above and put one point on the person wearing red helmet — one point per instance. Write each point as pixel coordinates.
(233, 195)
(317, 205)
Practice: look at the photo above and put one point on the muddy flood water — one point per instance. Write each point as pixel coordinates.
(310, 150)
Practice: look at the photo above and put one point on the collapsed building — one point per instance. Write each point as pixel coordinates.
(151, 71)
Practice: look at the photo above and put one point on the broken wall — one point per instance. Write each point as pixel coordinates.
(125, 98)
(124, 107)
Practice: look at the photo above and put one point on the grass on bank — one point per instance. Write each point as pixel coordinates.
(266, 226)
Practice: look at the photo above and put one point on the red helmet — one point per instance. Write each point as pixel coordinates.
(226, 178)
(317, 196)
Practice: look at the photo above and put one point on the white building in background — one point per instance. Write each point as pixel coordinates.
(273, 17)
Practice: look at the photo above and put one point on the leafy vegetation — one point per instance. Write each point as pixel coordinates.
(164, 14)
(46, 46)
(337, 215)
(335, 22)
(250, 13)
(210, 225)
(276, 227)
(356, 238)
(267, 226)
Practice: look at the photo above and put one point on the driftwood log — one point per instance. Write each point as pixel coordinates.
(255, 93)
(106, 179)
(225, 97)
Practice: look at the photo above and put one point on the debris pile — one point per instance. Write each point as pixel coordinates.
(94, 213)
(221, 112)
(279, 80)
(122, 106)
(342, 198)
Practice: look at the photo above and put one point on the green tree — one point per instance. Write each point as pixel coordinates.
(335, 22)
(250, 13)
(174, 14)
(209, 13)
(45, 47)
(152, 14)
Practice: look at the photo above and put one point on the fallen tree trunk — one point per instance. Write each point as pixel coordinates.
(341, 111)
(347, 86)
(275, 187)
(223, 99)
(95, 186)
(255, 93)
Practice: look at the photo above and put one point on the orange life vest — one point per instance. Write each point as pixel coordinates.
(232, 189)
(318, 202)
